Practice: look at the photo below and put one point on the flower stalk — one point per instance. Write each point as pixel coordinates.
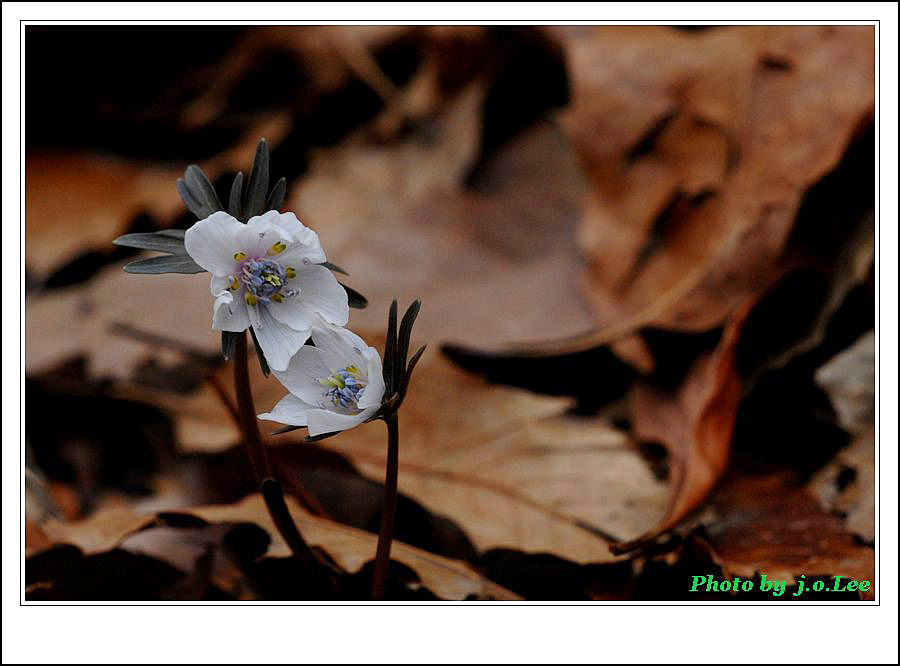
(259, 457)
(329, 393)
(388, 513)
(256, 451)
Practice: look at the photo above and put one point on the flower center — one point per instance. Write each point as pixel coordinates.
(345, 386)
(264, 279)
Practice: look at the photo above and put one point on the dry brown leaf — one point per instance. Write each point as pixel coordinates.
(489, 267)
(510, 468)
(768, 525)
(122, 527)
(101, 531)
(80, 202)
(78, 320)
(351, 548)
(699, 148)
(695, 424)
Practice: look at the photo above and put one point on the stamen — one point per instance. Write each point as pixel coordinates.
(290, 273)
(345, 387)
(277, 248)
(240, 256)
(264, 280)
(250, 298)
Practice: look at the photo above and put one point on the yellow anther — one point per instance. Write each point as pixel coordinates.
(250, 298)
(277, 248)
(240, 256)
(290, 273)
(233, 283)
(277, 298)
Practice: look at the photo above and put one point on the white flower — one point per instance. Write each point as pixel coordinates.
(265, 275)
(333, 386)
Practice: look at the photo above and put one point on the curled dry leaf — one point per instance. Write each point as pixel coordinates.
(768, 525)
(695, 424)
(511, 469)
(850, 268)
(698, 148)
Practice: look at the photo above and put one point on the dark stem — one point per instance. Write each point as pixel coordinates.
(385, 535)
(281, 516)
(259, 457)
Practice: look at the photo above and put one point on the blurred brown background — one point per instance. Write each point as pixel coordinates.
(645, 256)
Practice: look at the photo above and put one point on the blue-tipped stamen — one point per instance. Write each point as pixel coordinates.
(265, 280)
(345, 387)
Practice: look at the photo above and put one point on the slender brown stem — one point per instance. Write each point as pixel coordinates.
(385, 535)
(307, 499)
(259, 457)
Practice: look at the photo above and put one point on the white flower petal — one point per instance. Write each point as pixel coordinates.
(279, 342)
(230, 313)
(218, 284)
(293, 312)
(305, 247)
(339, 341)
(321, 421)
(293, 227)
(303, 373)
(290, 410)
(211, 242)
(321, 293)
(373, 395)
(258, 237)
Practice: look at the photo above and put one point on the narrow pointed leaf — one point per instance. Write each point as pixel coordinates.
(409, 318)
(152, 241)
(201, 188)
(172, 233)
(354, 298)
(390, 348)
(198, 208)
(175, 263)
(229, 340)
(334, 267)
(409, 368)
(258, 184)
(234, 201)
(276, 196)
(263, 364)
